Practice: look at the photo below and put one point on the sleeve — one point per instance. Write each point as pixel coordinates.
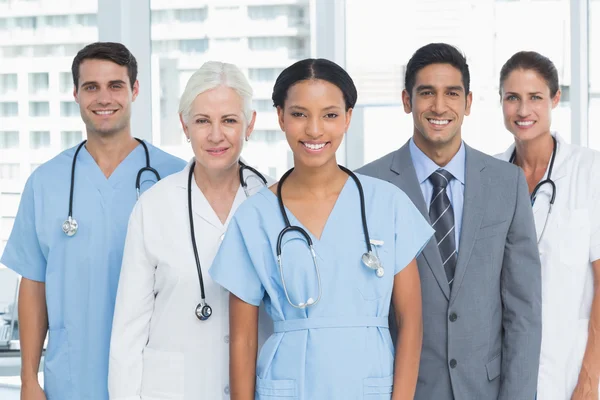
(521, 292)
(133, 312)
(233, 267)
(23, 253)
(413, 232)
(595, 212)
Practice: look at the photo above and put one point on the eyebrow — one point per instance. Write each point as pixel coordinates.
(517, 94)
(324, 109)
(430, 87)
(208, 116)
(96, 83)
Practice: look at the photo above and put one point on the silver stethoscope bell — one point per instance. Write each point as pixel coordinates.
(70, 226)
(372, 261)
(203, 311)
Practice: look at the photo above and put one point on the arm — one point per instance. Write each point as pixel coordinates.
(521, 292)
(406, 298)
(33, 325)
(243, 346)
(133, 312)
(589, 376)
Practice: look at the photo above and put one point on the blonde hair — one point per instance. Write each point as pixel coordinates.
(211, 75)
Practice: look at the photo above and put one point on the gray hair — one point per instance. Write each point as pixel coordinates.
(211, 75)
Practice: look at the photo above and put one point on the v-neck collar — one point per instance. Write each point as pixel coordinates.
(135, 158)
(204, 210)
(295, 221)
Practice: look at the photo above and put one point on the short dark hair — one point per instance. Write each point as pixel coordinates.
(312, 68)
(110, 51)
(531, 60)
(436, 53)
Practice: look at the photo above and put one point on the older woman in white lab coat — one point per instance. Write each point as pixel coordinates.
(568, 235)
(166, 343)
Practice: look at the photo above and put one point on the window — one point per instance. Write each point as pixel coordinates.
(10, 171)
(65, 82)
(268, 136)
(39, 109)
(264, 74)
(8, 83)
(86, 20)
(57, 21)
(9, 140)
(38, 83)
(69, 109)
(26, 22)
(191, 15)
(266, 12)
(9, 109)
(69, 139)
(39, 140)
(263, 105)
(268, 43)
(193, 45)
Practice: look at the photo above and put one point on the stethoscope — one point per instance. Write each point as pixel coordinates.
(537, 187)
(369, 259)
(70, 226)
(203, 311)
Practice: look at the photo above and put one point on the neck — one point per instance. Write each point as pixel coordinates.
(317, 180)
(534, 154)
(213, 181)
(441, 154)
(110, 151)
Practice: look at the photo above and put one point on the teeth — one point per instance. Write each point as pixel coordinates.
(439, 121)
(104, 112)
(525, 123)
(314, 146)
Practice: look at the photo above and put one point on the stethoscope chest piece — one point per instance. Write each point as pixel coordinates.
(372, 261)
(70, 226)
(203, 311)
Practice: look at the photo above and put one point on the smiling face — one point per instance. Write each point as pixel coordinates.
(314, 119)
(217, 128)
(104, 95)
(527, 104)
(438, 104)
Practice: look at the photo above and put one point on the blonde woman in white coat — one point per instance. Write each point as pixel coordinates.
(568, 231)
(166, 344)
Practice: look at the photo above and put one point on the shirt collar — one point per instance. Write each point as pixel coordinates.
(424, 166)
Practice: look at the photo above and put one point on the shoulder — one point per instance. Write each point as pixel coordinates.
(494, 167)
(381, 192)
(378, 166)
(166, 163)
(57, 167)
(165, 189)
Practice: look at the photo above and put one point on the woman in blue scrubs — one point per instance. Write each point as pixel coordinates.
(330, 309)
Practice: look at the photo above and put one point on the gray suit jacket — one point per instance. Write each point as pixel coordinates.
(481, 340)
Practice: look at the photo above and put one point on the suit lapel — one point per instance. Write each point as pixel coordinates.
(472, 215)
(406, 179)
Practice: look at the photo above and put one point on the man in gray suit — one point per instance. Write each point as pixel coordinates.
(481, 277)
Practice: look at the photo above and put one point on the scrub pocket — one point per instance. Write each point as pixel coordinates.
(57, 366)
(378, 388)
(163, 375)
(269, 389)
(372, 287)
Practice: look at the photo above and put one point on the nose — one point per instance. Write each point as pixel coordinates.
(313, 127)
(216, 133)
(524, 109)
(439, 105)
(103, 97)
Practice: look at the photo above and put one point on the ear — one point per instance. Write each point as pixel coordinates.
(406, 101)
(184, 126)
(250, 127)
(280, 117)
(348, 118)
(75, 94)
(135, 91)
(469, 102)
(556, 99)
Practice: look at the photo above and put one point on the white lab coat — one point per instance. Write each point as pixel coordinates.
(567, 249)
(159, 349)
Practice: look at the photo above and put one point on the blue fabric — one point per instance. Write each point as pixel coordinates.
(424, 167)
(80, 272)
(340, 347)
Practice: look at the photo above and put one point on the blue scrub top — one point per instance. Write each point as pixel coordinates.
(340, 348)
(80, 272)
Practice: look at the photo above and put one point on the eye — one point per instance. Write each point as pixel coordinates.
(454, 94)
(297, 114)
(230, 121)
(90, 88)
(536, 97)
(511, 97)
(331, 115)
(426, 93)
(117, 86)
(202, 121)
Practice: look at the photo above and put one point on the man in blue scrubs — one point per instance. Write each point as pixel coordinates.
(69, 282)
